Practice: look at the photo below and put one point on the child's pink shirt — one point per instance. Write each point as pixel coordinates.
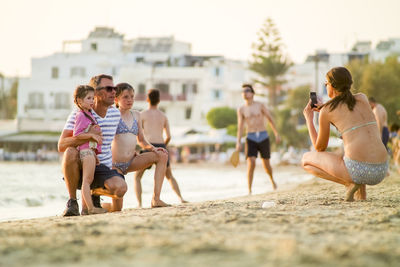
(81, 124)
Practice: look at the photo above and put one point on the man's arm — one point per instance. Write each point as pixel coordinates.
(270, 121)
(68, 140)
(167, 131)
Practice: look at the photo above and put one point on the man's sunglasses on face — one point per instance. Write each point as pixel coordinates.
(247, 91)
(109, 88)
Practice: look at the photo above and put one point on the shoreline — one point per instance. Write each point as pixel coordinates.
(309, 225)
(198, 183)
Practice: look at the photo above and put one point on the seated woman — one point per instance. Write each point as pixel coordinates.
(129, 133)
(365, 158)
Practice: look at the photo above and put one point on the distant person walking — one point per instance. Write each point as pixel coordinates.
(381, 118)
(252, 115)
(155, 123)
(129, 133)
(365, 157)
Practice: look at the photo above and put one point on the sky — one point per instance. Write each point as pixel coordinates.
(217, 27)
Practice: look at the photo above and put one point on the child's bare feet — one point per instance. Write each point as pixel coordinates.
(351, 189)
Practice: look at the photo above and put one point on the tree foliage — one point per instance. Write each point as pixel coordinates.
(269, 61)
(288, 118)
(380, 80)
(221, 117)
(9, 101)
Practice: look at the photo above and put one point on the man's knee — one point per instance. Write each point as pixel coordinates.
(251, 161)
(117, 188)
(121, 190)
(71, 156)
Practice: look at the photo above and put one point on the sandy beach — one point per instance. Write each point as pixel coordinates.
(309, 225)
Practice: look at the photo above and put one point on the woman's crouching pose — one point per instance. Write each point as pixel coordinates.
(365, 157)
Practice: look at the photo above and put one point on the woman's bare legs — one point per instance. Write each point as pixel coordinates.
(331, 167)
(145, 160)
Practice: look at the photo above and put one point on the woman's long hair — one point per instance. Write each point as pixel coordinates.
(340, 79)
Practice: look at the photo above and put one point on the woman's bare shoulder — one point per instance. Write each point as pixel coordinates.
(136, 114)
(361, 96)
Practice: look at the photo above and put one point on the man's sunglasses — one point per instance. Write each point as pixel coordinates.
(247, 91)
(109, 89)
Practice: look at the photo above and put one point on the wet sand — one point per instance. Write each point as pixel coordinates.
(310, 225)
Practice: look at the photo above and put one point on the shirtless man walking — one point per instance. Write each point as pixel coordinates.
(155, 123)
(381, 118)
(252, 114)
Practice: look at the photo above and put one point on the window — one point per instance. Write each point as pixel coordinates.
(77, 72)
(139, 59)
(93, 46)
(54, 72)
(216, 72)
(142, 88)
(216, 94)
(188, 113)
(194, 88)
(36, 101)
(184, 89)
(62, 101)
(163, 87)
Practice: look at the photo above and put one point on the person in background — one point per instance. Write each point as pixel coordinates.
(155, 123)
(395, 140)
(252, 115)
(365, 158)
(381, 118)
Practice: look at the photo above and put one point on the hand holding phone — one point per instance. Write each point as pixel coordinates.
(313, 97)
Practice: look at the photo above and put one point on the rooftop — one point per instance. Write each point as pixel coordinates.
(104, 32)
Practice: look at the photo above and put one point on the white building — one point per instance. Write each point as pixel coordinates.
(190, 85)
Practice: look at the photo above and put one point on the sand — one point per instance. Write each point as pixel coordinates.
(309, 225)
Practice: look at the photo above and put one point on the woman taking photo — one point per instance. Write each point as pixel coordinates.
(365, 157)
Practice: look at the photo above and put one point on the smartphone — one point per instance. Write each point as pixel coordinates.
(313, 97)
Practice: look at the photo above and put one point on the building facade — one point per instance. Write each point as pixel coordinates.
(190, 85)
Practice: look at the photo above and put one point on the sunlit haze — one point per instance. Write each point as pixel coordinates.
(217, 27)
